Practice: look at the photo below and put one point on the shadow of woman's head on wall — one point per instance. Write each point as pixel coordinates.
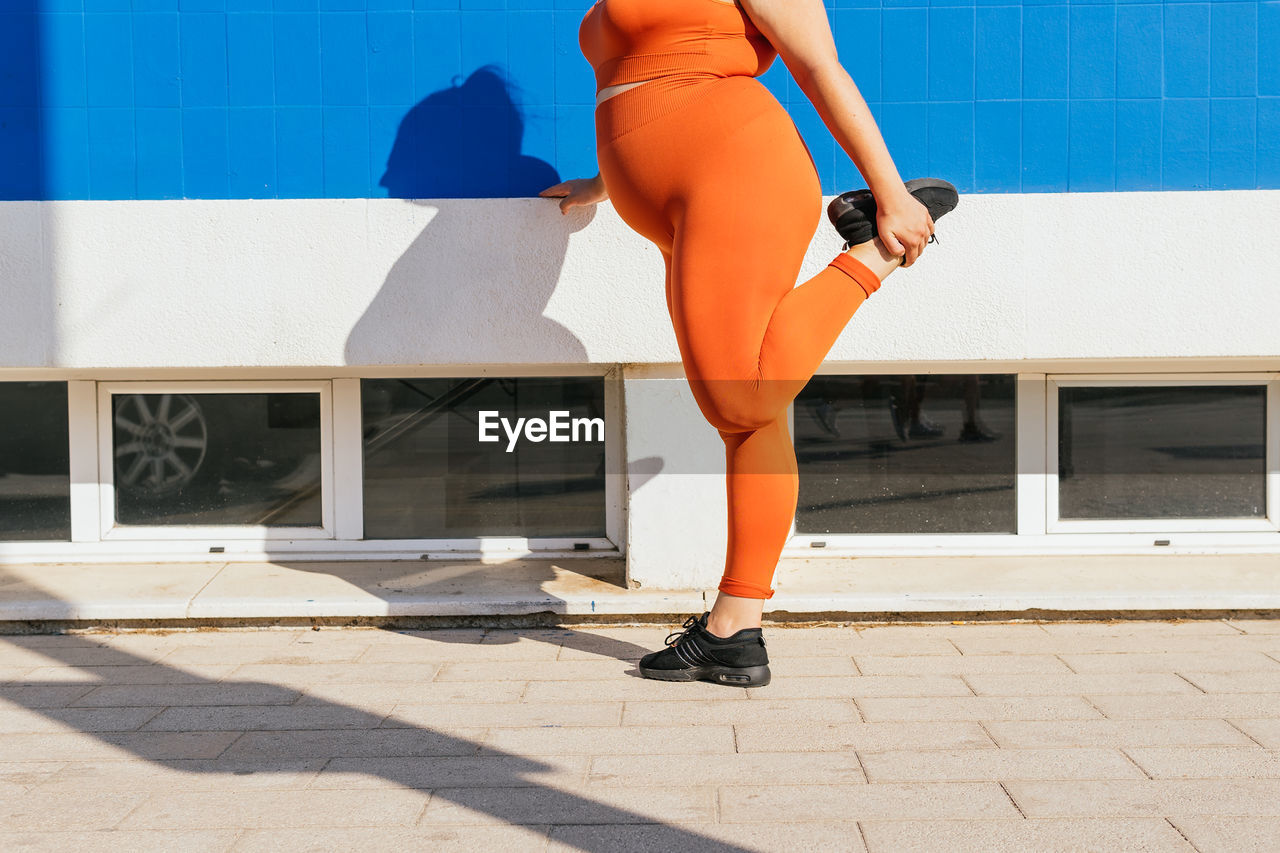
(465, 142)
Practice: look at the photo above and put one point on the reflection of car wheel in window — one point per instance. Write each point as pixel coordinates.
(160, 443)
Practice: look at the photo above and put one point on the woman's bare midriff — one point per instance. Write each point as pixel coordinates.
(609, 91)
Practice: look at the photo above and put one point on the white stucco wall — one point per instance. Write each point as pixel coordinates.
(348, 283)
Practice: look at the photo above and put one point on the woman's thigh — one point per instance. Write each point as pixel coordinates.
(746, 222)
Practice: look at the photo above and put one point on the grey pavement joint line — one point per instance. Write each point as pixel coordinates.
(1178, 830)
(186, 610)
(1236, 726)
(1069, 667)
(1004, 788)
(1189, 681)
(1134, 761)
(965, 682)
(982, 725)
(1095, 707)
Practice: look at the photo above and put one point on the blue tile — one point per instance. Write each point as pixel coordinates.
(857, 38)
(530, 63)
(158, 134)
(384, 129)
(108, 50)
(905, 64)
(202, 5)
(534, 171)
(204, 59)
(299, 152)
(19, 60)
(1093, 51)
(951, 143)
(62, 69)
(951, 62)
(64, 147)
(205, 164)
(112, 153)
(297, 59)
(817, 138)
(20, 149)
(575, 150)
(346, 152)
(998, 147)
(1139, 51)
(157, 65)
(1044, 52)
(437, 55)
(1186, 50)
(999, 52)
(343, 47)
(1232, 143)
(905, 128)
(482, 39)
(391, 58)
(1268, 143)
(1138, 124)
(1269, 56)
(1091, 146)
(250, 60)
(1185, 144)
(1044, 146)
(252, 152)
(1233, 51)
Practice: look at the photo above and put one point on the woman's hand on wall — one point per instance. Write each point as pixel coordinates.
(577, 191)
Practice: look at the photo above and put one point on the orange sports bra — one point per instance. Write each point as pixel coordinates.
(627, 41)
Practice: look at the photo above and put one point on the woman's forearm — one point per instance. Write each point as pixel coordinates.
(846, 114)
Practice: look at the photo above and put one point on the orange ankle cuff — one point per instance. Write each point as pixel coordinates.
(858, 271)
(744, 590)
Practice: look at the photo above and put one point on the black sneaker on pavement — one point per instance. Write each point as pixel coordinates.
(695, 654)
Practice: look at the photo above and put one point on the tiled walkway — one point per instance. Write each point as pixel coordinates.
(1056, 736)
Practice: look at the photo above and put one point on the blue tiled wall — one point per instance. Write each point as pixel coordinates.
(119, 99)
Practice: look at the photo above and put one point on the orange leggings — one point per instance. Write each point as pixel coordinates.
(714, 172)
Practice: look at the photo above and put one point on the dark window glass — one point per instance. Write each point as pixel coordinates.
(428, 475)
(216, 459)
(1166, 451)
(922, 453)
(35, 463)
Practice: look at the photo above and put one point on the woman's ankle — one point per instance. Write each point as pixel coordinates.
(732, 613)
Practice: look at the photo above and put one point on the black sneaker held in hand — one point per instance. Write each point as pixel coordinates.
(854, 213)
(695, 654)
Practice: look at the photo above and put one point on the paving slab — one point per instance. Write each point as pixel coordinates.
(546, 739)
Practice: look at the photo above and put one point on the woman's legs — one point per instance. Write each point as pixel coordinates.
(761, 502)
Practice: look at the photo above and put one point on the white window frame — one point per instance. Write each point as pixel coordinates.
(1271, 474)
(109, 530)
(96, 538)
(610, 545)
(1036, 466)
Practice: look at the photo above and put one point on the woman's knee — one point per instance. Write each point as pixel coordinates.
(735, 413)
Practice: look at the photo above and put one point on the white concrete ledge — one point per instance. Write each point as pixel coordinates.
(828, 586)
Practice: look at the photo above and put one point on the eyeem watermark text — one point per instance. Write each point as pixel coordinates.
(537, 429)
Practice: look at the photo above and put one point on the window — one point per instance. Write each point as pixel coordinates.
(912, 453)
(428, 474)
(1159, 449)
(236, 459)
(35, 473)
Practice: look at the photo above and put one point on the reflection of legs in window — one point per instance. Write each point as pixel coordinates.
(904, 410)
(974, 429)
